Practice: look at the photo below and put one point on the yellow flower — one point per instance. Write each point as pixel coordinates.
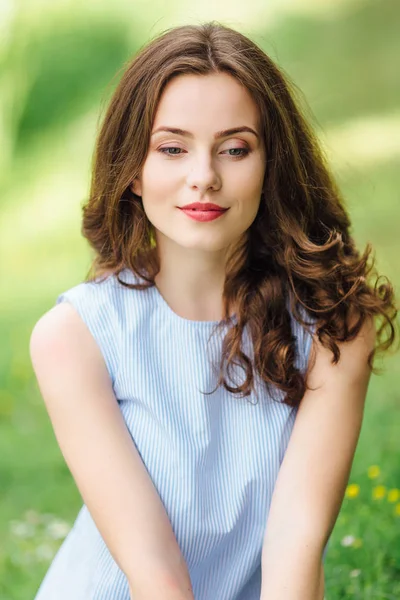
(357, 543)
(393, 495)
(352, 490)
(379, 492)
(374, 472)
(397, 509)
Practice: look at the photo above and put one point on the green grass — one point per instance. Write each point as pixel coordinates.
(346, 69)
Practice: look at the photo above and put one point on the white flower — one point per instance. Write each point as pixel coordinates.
(348, 540)
(58, 529)
(355, 572)
(44, 552)
(21, 529)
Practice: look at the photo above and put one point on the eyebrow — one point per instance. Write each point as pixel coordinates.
(218, 135)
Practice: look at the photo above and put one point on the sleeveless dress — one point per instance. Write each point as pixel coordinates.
(213, 459)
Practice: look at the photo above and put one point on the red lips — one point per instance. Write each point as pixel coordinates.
(203, 206)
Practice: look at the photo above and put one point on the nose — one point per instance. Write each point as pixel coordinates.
(203, 174)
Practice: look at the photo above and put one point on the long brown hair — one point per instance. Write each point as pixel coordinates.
(299, 246)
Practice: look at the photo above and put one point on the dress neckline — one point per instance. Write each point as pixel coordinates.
(171, 314)
(160, 300)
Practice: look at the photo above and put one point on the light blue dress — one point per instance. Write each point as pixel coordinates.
(213, 459)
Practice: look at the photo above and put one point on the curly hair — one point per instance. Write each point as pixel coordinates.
(297, 253)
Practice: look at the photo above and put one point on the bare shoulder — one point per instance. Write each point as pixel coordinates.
(61, 340)
(59, 316)
(58, 328)
(353, 361)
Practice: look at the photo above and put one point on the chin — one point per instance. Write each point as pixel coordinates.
(204, 247)
(201, 241)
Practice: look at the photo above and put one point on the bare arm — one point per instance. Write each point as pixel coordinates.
(312, 479)
(99, 451)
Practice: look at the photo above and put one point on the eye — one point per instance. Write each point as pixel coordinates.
(163, 150)
(244, 152)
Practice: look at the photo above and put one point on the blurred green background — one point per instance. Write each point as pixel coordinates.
(60, 62)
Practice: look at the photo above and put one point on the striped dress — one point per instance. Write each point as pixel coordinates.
(213, 459)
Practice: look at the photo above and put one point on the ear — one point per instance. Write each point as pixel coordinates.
(136, 186)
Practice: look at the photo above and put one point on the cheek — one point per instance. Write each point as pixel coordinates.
(254, 177)
(158, 174)
(248, 193)
(248, 179)
(157, 192)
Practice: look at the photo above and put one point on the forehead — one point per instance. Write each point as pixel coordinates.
(216, 98)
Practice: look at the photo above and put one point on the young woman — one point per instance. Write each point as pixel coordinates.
(206, 382)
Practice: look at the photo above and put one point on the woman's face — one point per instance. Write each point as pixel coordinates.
(199, 164)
